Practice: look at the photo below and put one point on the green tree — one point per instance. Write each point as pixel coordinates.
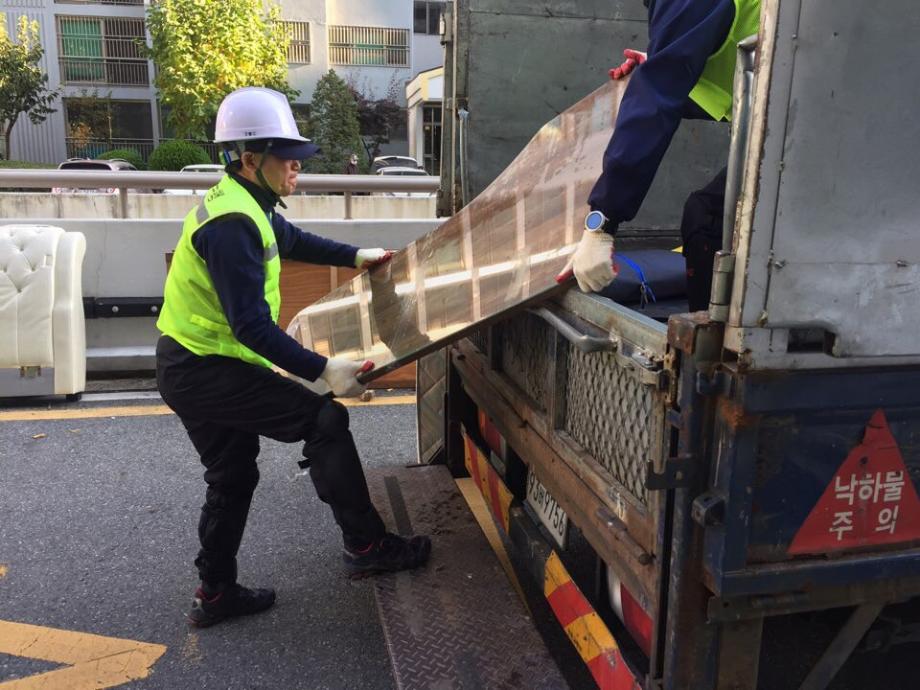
(378, 118)
(206, 49)
(23, 84)
(334, 123)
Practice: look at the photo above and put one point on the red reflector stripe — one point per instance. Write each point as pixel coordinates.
(611, 673)
(637, 621)
(568, 603)
(497, 509)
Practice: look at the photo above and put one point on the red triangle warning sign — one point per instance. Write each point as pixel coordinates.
(870, 501)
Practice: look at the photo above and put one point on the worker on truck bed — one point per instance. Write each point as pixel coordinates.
(688, 72)
(220, 338)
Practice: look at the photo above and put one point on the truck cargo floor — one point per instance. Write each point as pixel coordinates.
(457, 623)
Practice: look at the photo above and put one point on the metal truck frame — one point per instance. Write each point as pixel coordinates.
(732, 467)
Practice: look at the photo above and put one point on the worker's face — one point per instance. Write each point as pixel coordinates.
(280, 174)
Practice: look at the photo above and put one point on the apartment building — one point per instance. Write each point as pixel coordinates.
(91, 49)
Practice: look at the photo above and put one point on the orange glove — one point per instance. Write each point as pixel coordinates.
(633, 59)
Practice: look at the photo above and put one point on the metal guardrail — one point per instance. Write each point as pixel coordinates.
(123, 181)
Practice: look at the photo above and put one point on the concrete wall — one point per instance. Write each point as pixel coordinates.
(426, 88)
(304, 77)
(158, 206)
(374, 82)
(126, 258)
(428, 52)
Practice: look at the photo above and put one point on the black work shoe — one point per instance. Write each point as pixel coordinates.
(388, 555)
(230, 602)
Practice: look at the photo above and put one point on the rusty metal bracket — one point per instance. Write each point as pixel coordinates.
(716, 383)
(678, 473)
(708, 510)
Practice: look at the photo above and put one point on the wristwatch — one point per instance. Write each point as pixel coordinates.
(596, 221)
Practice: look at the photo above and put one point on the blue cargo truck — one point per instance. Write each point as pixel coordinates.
(745, 479)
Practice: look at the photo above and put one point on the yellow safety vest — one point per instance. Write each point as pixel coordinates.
(192, 314)
(713, 92)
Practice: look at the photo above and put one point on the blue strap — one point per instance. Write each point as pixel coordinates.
(645, 290)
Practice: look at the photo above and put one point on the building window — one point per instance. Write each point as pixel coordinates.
(368, 45)
(299, 47)
(431, 123)
(100, 2)
(428, 17)
(98, 124)
(98, 50)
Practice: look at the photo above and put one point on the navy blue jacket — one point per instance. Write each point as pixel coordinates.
(231, 247)
(682, 34)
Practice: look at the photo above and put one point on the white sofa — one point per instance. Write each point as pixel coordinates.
(42, 331)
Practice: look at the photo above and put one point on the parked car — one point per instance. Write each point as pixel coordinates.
(381, 162)
(401, 171)
(197, 168)
(115, 164)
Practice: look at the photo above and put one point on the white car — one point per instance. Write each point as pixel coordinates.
(399, 171)
(113, 165)
(381, 162)
(199, 168)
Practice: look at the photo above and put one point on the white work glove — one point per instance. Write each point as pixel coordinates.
(592, 262)
(368, 258)
(341, 376)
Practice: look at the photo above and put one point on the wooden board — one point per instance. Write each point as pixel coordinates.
(303, 284)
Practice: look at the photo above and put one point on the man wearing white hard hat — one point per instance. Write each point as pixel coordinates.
(220, 339)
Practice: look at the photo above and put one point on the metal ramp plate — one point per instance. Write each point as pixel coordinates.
(499, 253)
(457, 623)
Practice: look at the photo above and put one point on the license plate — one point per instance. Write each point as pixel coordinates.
(548, 511)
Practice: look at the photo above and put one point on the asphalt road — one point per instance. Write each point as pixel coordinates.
(98, 532)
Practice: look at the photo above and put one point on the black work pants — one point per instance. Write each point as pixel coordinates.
(701, 233)
(226, 405)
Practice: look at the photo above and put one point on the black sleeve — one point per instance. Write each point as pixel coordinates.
(232, 250)
(300, 245)
(682, 36)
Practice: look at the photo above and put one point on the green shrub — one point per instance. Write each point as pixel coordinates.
(130, 155)
(175, 155)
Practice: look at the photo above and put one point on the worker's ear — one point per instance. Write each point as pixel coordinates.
(249, 160)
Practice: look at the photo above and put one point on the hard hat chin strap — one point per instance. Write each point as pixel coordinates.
(276, 198)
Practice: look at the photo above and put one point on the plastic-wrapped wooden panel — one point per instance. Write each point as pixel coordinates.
(501, 252)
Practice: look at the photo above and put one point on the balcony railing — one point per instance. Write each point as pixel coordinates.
(365, 55)
(368, 45)
(105, 71)
(93, 148)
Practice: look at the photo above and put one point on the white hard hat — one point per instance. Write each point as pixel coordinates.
(254, 113)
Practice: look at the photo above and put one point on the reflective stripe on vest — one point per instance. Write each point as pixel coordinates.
(713, 91)
(192, 314)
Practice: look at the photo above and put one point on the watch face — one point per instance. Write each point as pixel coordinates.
(594, 221)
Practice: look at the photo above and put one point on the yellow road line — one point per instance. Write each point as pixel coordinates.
(92, 661)
(154, 410)
(477, 504)
(3, 570)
